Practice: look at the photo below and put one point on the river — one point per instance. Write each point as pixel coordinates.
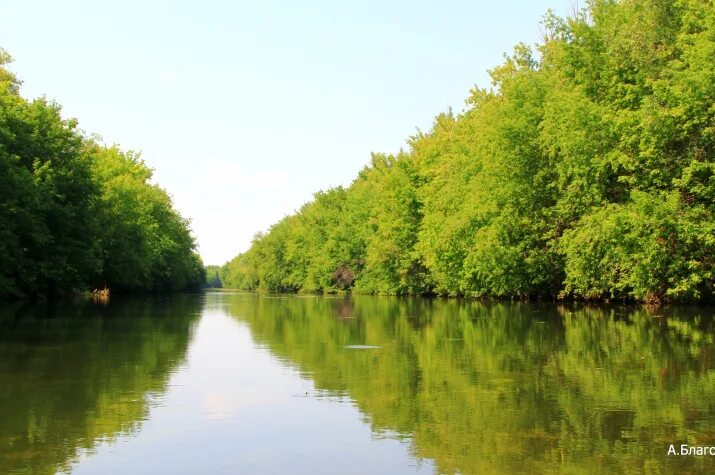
(229, 382)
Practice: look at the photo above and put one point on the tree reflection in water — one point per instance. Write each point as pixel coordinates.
(508, 387)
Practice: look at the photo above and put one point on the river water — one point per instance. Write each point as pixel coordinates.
(230, 382)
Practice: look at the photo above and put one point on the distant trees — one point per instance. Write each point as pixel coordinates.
(75, 214)
(587, 170)
(213, 279)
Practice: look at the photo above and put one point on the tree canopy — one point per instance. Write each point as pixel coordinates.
(586, 170)
(76, 214)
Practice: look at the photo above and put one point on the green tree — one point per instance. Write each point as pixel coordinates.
(585, 171)
(76, 215)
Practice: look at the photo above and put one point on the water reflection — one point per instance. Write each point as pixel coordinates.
(508, 388)
(73, 375)
(353, 385)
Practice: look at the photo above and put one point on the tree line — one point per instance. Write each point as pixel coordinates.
(585, 171)
(77, 215)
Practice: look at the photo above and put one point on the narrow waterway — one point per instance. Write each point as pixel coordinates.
(237, 383)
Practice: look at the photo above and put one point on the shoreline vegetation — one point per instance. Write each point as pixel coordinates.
(77, 215)
(585, 172)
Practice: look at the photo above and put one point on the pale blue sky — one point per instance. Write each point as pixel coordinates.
(245, 109)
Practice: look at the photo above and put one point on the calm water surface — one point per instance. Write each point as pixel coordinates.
(235, 383)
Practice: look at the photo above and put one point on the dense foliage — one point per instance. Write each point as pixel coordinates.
(585, 171)
(75, 214)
